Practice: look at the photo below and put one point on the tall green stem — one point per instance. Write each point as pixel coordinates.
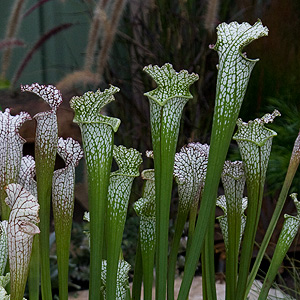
(122, 283)
(63, 207)
(293, 166)
(34, 271)
(208, 262)
(233, 76)
(138, 273)
(45, 154)
(97, 135)
(119, 191)
(232, 223)
(166, 105)
(289, 230)
(145, 208)
(189, 171)
(255, 142)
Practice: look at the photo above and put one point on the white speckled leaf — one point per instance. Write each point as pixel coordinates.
(234, 68)
(296, 150)
(97, 136)
(190, 171)
(86, 216)
(149, 153)
(26, 175)
(145, 208)
(167, 101)
(122, 279)
(233, 179)
(3, 294)
(237, 36)
(64, 180)
(87, 107)
(49, 93)
(11, 146)
(223, 220)
(4, 280)
(3, 246)
(119, 191)
(21, 229)
(120, 183)
(170, 84)
(290, 228)
(128, 160)
(46, 131)
(255, 141)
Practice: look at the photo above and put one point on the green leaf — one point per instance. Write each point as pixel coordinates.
(190, 172)
(45, 153)
(234, 72)
(129, 161)
(288, 233)
(63, 207)
(166, 105)
(170, 83)
(98, 138)
(255, 142)
(145, 209)
(87, 107)
(3, 246)
(122, 279)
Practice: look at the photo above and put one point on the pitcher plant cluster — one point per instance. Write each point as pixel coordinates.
(28, 185)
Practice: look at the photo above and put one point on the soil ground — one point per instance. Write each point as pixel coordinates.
(196, 291)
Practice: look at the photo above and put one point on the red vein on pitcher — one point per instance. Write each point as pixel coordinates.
(21, 229)
(26, 179)
(11, 149)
